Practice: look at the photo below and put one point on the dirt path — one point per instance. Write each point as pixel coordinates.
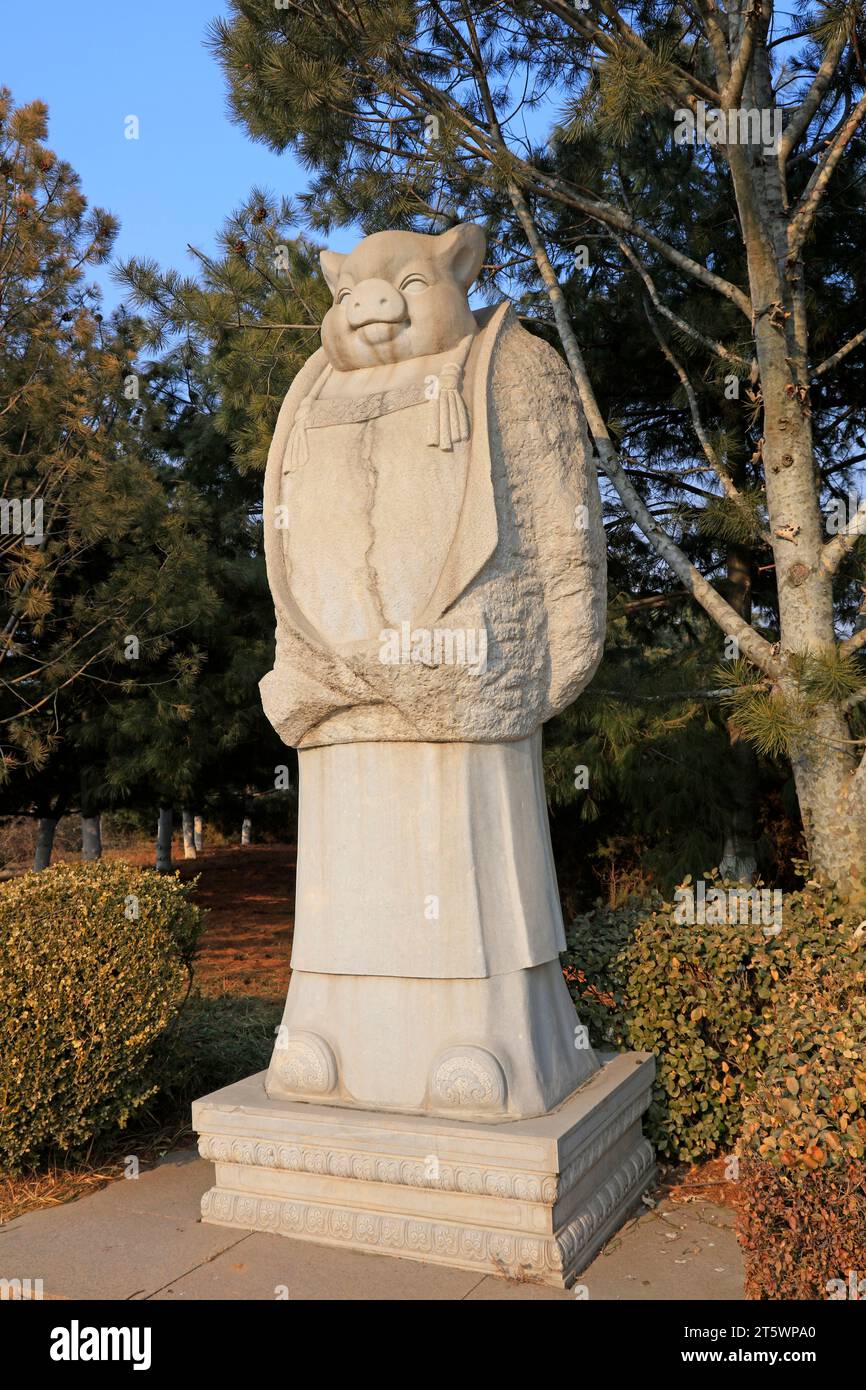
(249, 895)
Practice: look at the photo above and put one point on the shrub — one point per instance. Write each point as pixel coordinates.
(803, 1147)
(217, 1040)
(701, 997)
(94, 959)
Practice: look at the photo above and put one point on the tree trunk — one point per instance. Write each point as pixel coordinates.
(247, 831)
(831, 793)
(198, 834)
(91, 838)
(44, 843)
(831, 790)
(163, 840)
(189, 845)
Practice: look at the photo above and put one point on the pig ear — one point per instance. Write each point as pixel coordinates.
(331, 263)
(462, 250)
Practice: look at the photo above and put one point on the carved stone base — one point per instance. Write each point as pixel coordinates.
(526, 1199)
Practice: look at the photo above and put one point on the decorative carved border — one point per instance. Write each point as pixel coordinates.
(604, 1140)
(555, 1258)
(513, 1184)
(630, 1177)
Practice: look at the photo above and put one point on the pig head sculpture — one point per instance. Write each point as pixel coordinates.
(437, 561)
(400, 296)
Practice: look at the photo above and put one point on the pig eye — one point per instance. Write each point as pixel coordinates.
(414, 284)
(343, 294)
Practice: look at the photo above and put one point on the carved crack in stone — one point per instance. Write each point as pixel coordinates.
(371, 481)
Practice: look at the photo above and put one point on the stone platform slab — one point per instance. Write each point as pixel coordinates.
(527, 1199)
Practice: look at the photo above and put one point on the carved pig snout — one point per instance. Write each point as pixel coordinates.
(375, 301)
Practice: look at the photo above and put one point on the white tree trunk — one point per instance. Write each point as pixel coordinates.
(189, 845)
(44, 843)
(163, 840)
(91, 838)
(198, 834)
(247, 831)
(738, 862)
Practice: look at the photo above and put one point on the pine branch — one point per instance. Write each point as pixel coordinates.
(851, 344)
(421, 95)
(711, 345)
(687, 83)
(799, 122)
(816, 188)
(756, 647)
(673, 479)
(836, 549)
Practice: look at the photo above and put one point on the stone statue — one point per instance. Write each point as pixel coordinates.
(437, 561)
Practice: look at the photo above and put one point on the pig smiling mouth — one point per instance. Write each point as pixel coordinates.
(381, 331)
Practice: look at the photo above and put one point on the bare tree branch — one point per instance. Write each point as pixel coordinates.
(853, 643)
(711, 345)
(669, 695)
(836, 549)
(710, 453)
(733, 88)
(851, 344)
(799, 122)
(620, 221)
(755, 647)
(813, 194)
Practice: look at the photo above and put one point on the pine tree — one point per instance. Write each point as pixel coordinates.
(416, 114)
(99, 562)
(230, 342)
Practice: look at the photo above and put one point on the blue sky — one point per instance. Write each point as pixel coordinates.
(97, 62)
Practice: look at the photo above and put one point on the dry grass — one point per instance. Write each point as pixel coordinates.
(53, 1186)
(703, 1181)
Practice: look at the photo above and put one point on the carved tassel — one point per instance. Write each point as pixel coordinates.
(449, 418)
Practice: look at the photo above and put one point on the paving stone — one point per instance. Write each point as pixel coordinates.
(126, 1240)
(262, 1264)
(142, 1238)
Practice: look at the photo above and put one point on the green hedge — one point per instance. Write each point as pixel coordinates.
(803, 1146)
(94, 963)
(702, 997)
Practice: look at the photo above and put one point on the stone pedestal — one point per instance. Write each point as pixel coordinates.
(529, 1199)
(436, 554)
